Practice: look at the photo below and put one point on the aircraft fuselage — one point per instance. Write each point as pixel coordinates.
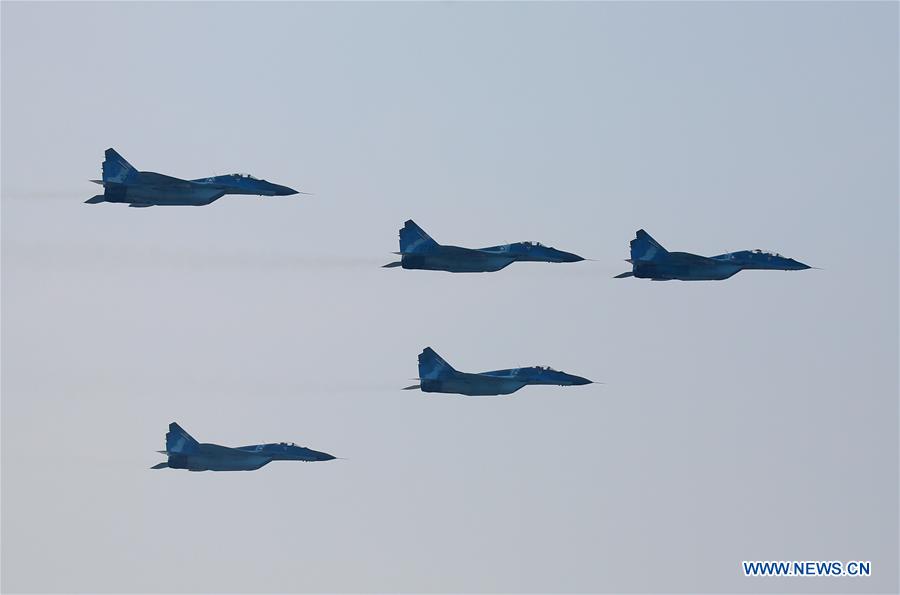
(497, 382)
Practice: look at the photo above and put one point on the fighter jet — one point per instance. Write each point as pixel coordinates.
(650, 260)
(124, 184)
(186, 453)
(419, 251)
(437, 376)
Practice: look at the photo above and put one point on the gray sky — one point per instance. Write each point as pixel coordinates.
(750, 419)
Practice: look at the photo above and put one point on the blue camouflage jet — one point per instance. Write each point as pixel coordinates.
(419, 251)
(649, 260)
(122, 183)
(437, 376)
(186, 453)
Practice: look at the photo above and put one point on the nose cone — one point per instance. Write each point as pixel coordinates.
(283, 190)
(568, 257)
(564, 379)
(323, 456)
(796, 265)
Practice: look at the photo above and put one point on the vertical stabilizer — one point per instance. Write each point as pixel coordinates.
(644, 247)
(116, 170)
(180, 442)
(414, 239)
(431, 365)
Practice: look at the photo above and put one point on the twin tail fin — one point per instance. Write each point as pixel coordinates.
(180, 442)
(644, 247)
(414, 239)
(432, 366)
(116, 170)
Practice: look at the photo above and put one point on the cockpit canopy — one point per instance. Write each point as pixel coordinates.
(766, 252)
(547, 369)
(534, 244)
(287, 444)
(246, 176)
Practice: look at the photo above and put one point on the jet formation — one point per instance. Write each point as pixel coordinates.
(437, 376)
(419, 251)
(649, 260)
(186, 453)
(122, 183)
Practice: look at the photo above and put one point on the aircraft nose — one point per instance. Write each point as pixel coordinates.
(799, 265)
(576, 380)
(284, 191)
(561, 256)
(569, 257)
(324, 456)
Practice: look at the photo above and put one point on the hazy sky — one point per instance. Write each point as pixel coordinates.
(754, 418)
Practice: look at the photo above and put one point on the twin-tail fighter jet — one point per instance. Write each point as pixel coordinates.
(437, 376)
(122, 183)
(419, 251)
(649, 260)
(186, 453)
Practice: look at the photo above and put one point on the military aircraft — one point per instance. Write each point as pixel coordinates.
(186, 453)
(437, 376)
(650, 260)
(122, 183)
(419, 251)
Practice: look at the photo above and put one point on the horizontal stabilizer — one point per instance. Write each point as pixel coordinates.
(623, 275)
(413, 387)
(95, 199)
(391, 265)
(160, 466)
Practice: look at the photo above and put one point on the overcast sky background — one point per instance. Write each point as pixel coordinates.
(754, 418)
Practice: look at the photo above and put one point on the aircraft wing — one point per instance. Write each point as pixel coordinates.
(687, 259)
(680, 259)
(154, 179)
(459, 251)
(508, 373)
(218, 449)
(494, 249)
